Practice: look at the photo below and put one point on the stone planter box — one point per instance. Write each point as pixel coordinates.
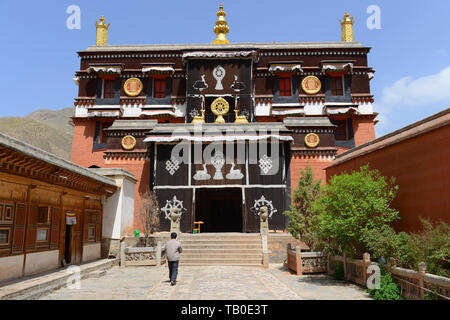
(143, 256)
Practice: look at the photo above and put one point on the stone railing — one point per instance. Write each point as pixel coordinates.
(142, 256)
(414, 285)
(306, 262)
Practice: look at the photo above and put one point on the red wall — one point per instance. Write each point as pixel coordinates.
(317, 165)
(421, 166)
(83, 155)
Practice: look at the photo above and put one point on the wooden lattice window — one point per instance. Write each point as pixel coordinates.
(6, 213)
(108, 89)
(341, 131)
(43, 215)
(5, 236)
(285, 86)
(337, 86)
(159, 88)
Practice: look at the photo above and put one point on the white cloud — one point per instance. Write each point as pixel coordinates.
(409, 92)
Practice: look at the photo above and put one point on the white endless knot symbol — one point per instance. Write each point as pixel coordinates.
(265, 164)
(172, 165)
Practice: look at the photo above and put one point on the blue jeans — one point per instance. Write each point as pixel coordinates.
(173, 270)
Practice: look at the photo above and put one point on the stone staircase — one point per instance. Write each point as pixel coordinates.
(231, 249)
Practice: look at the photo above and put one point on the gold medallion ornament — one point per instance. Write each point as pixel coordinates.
(220, 107)
(311, 85)
(312, 140)
(133, 87)
(128, 142)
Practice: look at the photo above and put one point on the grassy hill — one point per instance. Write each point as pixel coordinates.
(49, 130)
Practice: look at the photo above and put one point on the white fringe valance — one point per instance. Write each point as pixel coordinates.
(201, 138)
(151, 69)
(106, 69)
(347, 66)
(285, 68)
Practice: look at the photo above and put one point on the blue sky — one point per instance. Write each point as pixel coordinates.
(410, 53)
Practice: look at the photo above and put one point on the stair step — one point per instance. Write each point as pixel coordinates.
(221, 261)
(220, 242)
(218, 251)
(223, 256)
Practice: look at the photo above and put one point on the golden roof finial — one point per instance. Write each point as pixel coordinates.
(347, 28)
(102, 32)
(221, 28)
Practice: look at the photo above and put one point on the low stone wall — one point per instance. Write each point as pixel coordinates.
(277, 244)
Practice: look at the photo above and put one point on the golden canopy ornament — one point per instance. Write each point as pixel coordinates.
(347, 28)
(221, 28)
(102, 32)
(220, 107)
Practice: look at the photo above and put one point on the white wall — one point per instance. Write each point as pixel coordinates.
(118, 210)
(41, 261)
(11, 268)
(127, 208)
(91, 251)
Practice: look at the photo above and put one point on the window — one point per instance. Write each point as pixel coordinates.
(5, 236)
(43, 215)
(91, 233)
(341, 131)
(42, 235)
(93, 224)
(8, 215)
(285, 86)
(160, 88)
(100, 135)
(108, 89)
(337, 86)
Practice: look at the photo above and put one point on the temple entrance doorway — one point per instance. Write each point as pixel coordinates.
(219, 209)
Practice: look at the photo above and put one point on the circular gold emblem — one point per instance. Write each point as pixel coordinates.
(128, 142)
(220, 107)
(133, 87)
(311, 85)
(312, 140)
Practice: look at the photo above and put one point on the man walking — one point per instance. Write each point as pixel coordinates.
(173, 250)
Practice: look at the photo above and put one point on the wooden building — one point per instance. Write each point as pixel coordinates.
(274, 108)
(50, 210)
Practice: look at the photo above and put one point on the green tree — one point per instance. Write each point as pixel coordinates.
(351, 205)
(302, 214)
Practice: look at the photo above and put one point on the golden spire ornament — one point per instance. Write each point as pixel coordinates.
(221, 28)
(102, 32)
(347, 28)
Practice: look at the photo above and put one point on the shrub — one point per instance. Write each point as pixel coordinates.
(389, 290)
(352, 205)
(338, 273)
(302, 213)
(432, 246)
(386, 243)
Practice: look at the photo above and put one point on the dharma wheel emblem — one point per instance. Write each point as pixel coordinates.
(312, 140)
(219, 74)
(128, 142)
(220, 107)
(133, 87)
(311, 85)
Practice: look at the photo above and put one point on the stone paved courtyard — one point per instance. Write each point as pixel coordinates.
(209, 283)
